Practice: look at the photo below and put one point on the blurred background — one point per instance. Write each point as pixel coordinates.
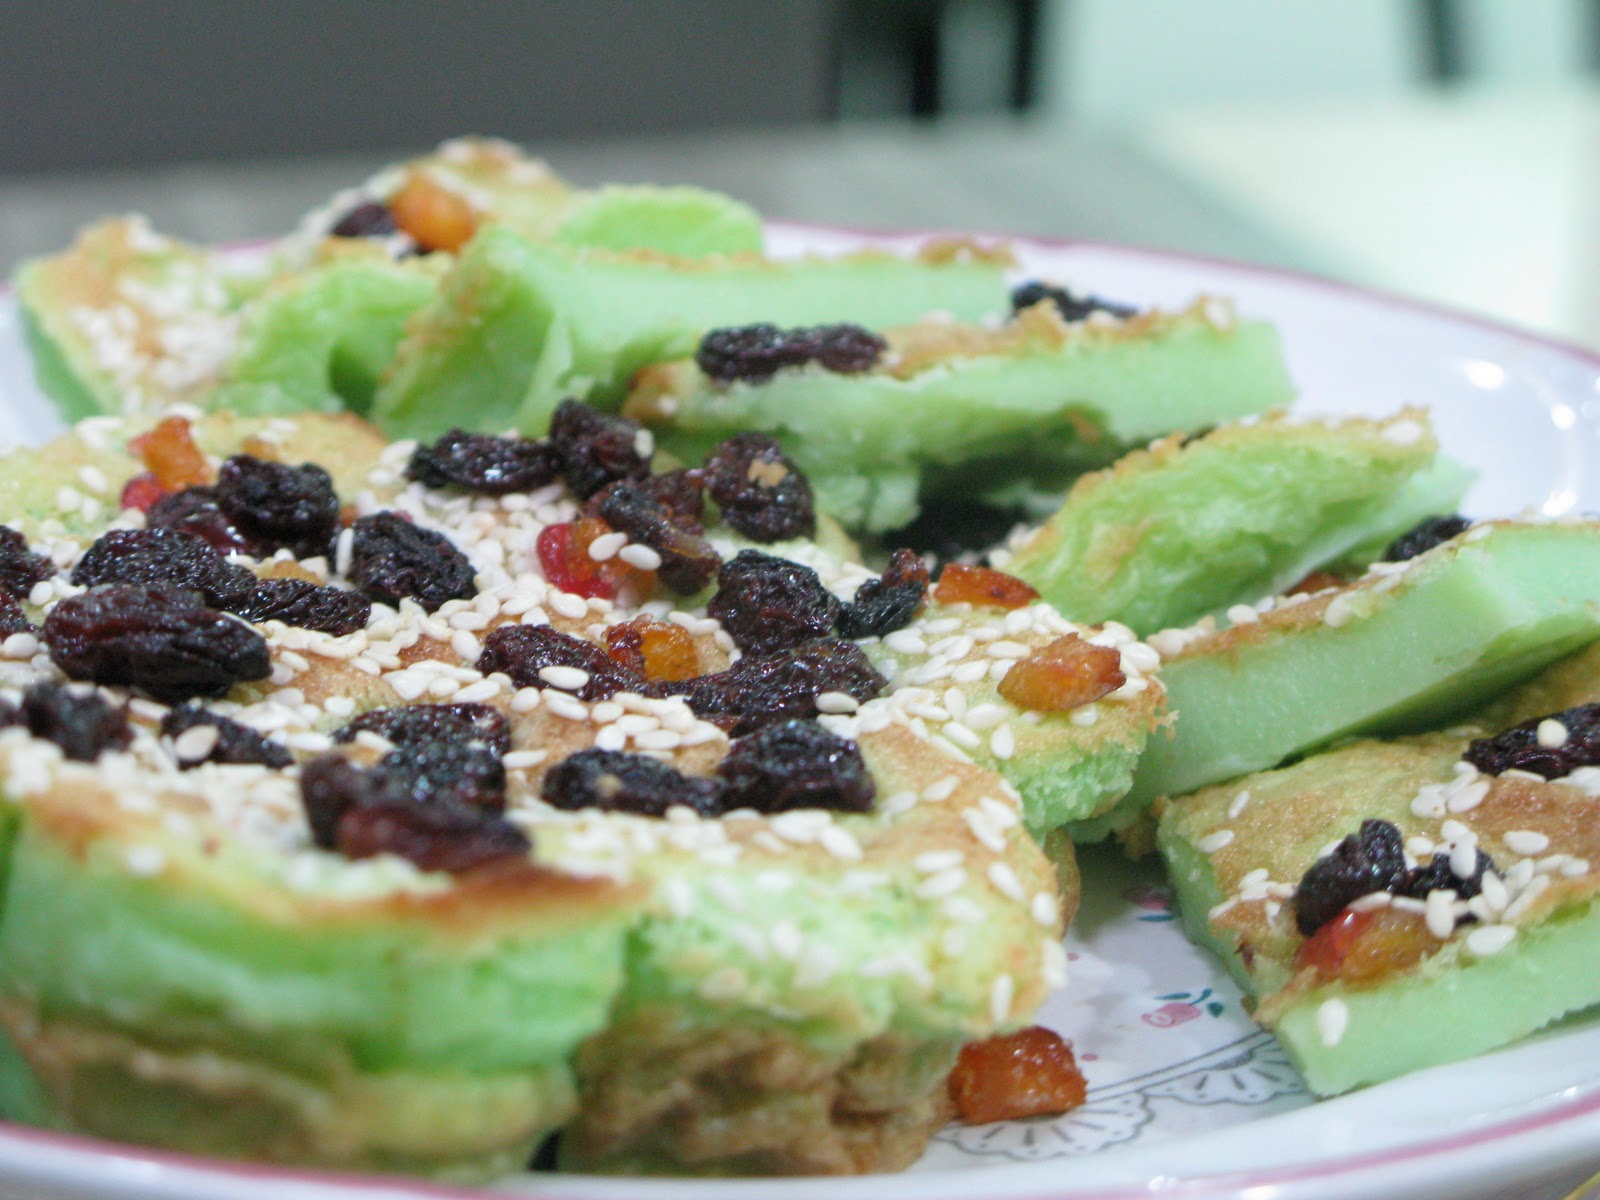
(1440, 148)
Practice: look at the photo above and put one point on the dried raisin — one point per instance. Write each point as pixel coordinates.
(754, 353)
(768, 604)
(688, 561)
(1071, 308)
(532, 654)
(761, 492)
(163, 640)
(760, 690)
(234, 742)
(195, 510)
(278, 505)
(796, 764)
(306, 605)
(1424, 536)
(163, 558)
(481, 462)
(78, 720)
(1372, 860)
(450, 772)
(890, 602)
(413, 724)
(614, 781)
(12, 618)
(370, 219)
(1519, 748)
(1438, 875)
(20, 568)
(596, 448)
(393, 559)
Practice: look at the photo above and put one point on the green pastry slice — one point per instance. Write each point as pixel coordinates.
(520, 324)
(959, 412)
(1408, 646)
(1191, 527)
(1436, 966)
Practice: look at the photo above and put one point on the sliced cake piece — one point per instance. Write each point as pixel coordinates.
(1390, 906)
(964, 411)
(520, 324)
(1194, 526)
(1407, 646)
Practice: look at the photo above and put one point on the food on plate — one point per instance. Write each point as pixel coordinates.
(1408, 646)
(961, 411)
(1393, 905)
(394, 815)
(1195, 525)
(128, 320)
(520, 324)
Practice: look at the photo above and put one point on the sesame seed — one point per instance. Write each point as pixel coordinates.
(941, 789)
(605, 547)
(837, 702)
(1214, 841)
(1488, 940)
(1053, 963)
(1467, 798)
(1526, 842)
(521, 760)
(1333, 1018)
(1001, 992)
(1464, 859)
(1439, 912)
(1371, 902)
(1003, 742)
(1005, 880)
(840, 843)
(1045, 908)
(1237, 805)
(931, 861)
(940, 884)
(568, 679)
(639, 556)
(565, 604)
(1085, 716)
(194, 743)
(144, 860)
(1551, 734)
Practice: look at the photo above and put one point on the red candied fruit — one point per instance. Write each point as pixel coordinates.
(142, 492)
(658, 650)
(1326, 950)
(1062, 675)
(564, 556)
(1029, 1073)
(171, 456)
(963, 584)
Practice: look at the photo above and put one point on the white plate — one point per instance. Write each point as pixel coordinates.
(1187, 1097)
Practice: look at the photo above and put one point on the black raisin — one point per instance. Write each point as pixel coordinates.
(525, 652)
(768, 604)
(163, 558)
(1373, 860)
(20, 568)
(796, 764)
(235, 742)
(632, 783)
(78, 720)
(451, 772)
(363, 812)
(1425, 535)
(12, 618)
(681, 493)
(761, 492)
(889, 602)
(1518, 747)
(163, 640)
(481, 462)
(1071, 308)
(413, 724)
(195, 510)
(1437, 875)
(304, 604)
(392, 559)
(760, 690)
(369, 219)
(595, 448)
(754, 353)
(278, 505)
(688, 561)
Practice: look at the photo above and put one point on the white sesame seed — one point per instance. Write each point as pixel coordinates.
(1526, 842)
(1003, 742)
(837, 702)
(1487, 940)
(521, 760)
(1467, 798)
(840, 843)
(1087, 715)
(194, 743)
(1045, 908)
(1237, 805)
(941, 884)
(144, 860)
(1574, 867)
(1551, 734)
(1005, 880)
(1464, 859)
(565, 604)
(568, 679)
(1371, 902)
(1526, 897)
(941, 789)
(1333, 1018)
(1001, 992)
(932, 861)
(605, 547)
(639, 556)
(1439, 912)
(1214, 841)
(1053, 963)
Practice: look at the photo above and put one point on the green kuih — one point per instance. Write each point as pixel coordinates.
(955, 412)
(520, 324)
(1423, 968)
(1191, 527)
(1406, 647)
